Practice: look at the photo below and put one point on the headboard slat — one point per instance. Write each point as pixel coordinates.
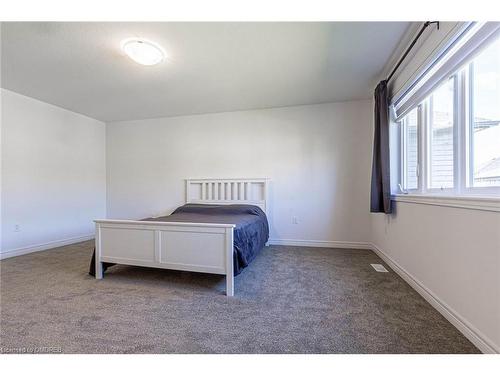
(228, 191)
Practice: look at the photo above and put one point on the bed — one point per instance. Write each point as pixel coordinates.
(219, 230)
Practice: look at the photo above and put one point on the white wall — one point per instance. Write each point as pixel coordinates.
(317, 156)
(455, 254)
(451, 255)
(53, 174)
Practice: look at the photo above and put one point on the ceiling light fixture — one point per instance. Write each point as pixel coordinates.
(143, 51)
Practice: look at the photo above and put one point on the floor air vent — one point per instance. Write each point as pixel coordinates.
(379, 268)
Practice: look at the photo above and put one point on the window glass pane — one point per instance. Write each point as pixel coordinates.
(411, 150)
(441, 137)
(486, 117)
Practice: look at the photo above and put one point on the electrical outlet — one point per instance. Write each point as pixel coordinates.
(295, 220)
(17, 227)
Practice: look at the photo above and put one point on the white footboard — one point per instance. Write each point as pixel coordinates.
(198, 247)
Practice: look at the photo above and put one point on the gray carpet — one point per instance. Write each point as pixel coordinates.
(290, 300)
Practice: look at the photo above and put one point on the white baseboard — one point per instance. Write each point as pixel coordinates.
(44, 246)
(467, 329)
(314, 243)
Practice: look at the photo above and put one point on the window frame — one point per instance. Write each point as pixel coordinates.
(468, 183)
(463, 152)
(403, 141)
(427, 141)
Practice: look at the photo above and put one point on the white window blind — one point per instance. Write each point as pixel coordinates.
(461, 49)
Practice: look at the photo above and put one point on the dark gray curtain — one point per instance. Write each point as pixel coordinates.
(381, 179)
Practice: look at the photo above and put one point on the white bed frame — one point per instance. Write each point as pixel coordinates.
(198, 247)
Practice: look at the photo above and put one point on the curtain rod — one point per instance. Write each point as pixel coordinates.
(426, 24)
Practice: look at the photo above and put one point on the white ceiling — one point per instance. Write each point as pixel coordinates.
(211, 67)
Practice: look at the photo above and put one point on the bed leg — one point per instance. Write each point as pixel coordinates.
(97, 252)
(229, 263)
(98, 270)
(230, 285)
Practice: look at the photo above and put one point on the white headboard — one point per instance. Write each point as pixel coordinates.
(228, 191)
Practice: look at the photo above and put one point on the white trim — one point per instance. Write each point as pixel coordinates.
(44, 246)
(139, 224)
(458, 201)
(478, 338)
(315, 243)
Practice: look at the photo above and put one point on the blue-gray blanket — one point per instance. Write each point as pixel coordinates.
(250, 234)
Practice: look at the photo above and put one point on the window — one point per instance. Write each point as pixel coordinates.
(410, 151)
(441, 125)
(484, 79)
(450, 143)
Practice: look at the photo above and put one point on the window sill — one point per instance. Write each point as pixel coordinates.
(457, 201)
